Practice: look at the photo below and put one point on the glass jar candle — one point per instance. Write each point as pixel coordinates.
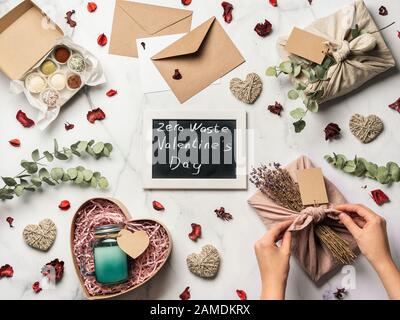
(110, 262)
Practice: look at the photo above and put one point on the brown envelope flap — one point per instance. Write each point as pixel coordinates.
(153, 18)
(188, 44)
(26, 37)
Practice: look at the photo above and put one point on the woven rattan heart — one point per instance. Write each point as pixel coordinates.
(40, 236)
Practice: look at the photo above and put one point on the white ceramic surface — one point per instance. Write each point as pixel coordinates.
(272, 139)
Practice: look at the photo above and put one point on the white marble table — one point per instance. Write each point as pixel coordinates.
(273, 140)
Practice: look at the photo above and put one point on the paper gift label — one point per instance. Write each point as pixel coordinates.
(307, 45)
(133, 244)
(312, 186)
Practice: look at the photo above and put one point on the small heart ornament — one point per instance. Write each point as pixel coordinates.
(248, 90)
(133, 243)
(206, 263)
(40, 236)
(365, 129)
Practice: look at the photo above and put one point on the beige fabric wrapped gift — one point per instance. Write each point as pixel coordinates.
(357, 60)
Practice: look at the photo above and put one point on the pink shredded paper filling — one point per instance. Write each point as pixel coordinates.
(99, 212)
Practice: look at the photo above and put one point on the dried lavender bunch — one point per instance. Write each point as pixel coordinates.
(277, 184)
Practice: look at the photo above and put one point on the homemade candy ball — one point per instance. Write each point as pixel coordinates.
(50, 97)
(77, 63)
(57, 81)
(35, 83)
(48, 67)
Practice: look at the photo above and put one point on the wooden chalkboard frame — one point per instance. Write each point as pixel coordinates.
(240, 182)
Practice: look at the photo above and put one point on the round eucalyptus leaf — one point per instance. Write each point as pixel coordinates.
(349, 166)
(87, 175)
(72, 173)
(35, 155)
(103, 183)
(79, 178)
(296, 70)
(293, 94)
(49, 156)
(271, 71)
(19, 190)
(286, 67)
(93, 182)
(57, 173)
(98, 147)
(11, 182)
(299, 125)
(297, 113)
(31, 167)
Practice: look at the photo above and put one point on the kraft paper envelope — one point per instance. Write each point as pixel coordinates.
(202, 56)
(133, 20)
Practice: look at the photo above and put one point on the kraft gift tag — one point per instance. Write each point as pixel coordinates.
(307, 45)
(312, 186)
(133, 243)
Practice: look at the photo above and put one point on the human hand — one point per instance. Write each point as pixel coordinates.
(369, 230)
(273, 261)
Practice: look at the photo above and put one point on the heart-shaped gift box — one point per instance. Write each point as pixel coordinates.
(102, 211)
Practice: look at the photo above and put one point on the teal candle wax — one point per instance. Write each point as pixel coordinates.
(110, 262)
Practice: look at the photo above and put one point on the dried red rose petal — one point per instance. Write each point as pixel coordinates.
(222, 214)
(263, 29)
(310, 2)
(6, 271)
(186, 2)
(158, 206)
(91, 6)
(241, 294)
(379, 197)
(111, 93)
(196, 232)
(332, 131)
(185, 295)
(64, 205)
(177, 75)
(70, 21)
(273, 3)
(69, 126)
(228, 8)
(36, 287)
(102, 40)
(15, 142)
(54, 270)
(395, 105)
(383, 11)
(95, 114)
(10, 221)
(398, 34)
(275, 108)
(339, 293)
(24, 120)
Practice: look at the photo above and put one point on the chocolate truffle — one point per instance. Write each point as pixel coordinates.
(48, 67)
(62, 54)
(74, 81)
(35, 83)
(77, 63)
(50, 97)
(57, 81)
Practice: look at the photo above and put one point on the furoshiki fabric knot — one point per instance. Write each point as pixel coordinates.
(313, 215)
(358, 46)
(343, 52)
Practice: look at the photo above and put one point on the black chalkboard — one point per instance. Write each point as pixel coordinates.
(194, 149)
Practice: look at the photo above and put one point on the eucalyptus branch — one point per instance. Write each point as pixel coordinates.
(360, 167)
(304, 73)
(34, 173)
